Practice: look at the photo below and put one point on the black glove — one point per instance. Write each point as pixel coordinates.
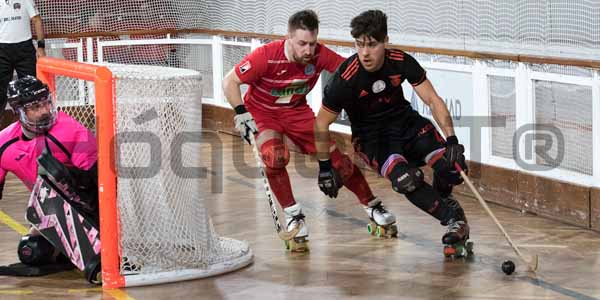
(454, 151)
(244, 122)
(330, 181)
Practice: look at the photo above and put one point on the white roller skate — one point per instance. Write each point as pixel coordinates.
(383, 222)
(294, 218)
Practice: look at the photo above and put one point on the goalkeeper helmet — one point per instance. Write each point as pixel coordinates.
(31, 100)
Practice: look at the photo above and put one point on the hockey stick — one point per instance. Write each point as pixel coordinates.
(283, 234)
(533, 263)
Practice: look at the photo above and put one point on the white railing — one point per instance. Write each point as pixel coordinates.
(452, 82)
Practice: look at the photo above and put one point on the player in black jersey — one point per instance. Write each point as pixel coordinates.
(392, 137)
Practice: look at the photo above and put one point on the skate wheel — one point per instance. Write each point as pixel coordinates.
(93, 273)
(297, 245)
(449, 251)
(469, 247)
(370, 228)
(393, 231)
(380, 231)
(460, 251)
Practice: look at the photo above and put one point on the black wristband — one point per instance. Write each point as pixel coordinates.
(240, 109)
(325, 165)
(41, 44)
(452, 140)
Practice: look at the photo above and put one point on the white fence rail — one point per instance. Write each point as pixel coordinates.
(565, 98)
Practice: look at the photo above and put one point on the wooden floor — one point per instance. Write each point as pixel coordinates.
(345, 261)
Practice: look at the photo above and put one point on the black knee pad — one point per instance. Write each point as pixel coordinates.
(35, 250)
(406, 180)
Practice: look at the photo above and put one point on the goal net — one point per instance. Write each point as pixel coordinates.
(563, 28)
(154, 225)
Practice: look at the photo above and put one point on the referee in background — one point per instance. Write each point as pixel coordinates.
(16, 48)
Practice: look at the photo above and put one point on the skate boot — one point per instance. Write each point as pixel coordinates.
(293, 218)
(456, 240)
(383, 222)
(93, 271)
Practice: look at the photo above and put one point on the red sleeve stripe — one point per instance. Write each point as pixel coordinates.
(396, 51)
(329, 109)
(354, 71)
(351, 70)
(348, 70)
(396, 56)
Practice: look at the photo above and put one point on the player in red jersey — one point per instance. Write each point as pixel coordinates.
(279, 75)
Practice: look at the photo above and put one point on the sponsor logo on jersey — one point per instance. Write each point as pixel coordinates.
(396, 80)
(425, 129)
(295, 88)
(363, 93)
(281, 72)
(245, 67)
(18, 158)
(378, 86)
(309, 69)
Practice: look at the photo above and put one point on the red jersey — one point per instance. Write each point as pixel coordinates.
(275, 82)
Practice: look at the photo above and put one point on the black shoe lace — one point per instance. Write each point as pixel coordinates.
(297, 217)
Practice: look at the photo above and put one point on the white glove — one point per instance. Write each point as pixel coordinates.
(245, 124)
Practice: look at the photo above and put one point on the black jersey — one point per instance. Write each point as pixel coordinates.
(373, 100)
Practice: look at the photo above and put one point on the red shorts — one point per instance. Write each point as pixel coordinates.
(295, 123)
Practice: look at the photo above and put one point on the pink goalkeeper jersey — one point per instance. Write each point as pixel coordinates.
(70, 143)
(275, 82)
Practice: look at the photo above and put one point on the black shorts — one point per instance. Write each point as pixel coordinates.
(414, 138)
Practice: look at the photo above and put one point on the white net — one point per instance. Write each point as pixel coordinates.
(503, 112)
(165, 230)
(566, 107)
(188, 56)
(565, 28)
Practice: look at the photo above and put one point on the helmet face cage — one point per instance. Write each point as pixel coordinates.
(29, 93)
(37, 126)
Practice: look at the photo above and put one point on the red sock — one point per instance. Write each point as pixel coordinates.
(279, 180)
(352, 177)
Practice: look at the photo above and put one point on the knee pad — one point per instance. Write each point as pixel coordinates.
(441, 169)
(275, 154)
(406, 180)
(35, 250)
(342, 164)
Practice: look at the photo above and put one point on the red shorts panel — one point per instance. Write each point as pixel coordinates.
(296, 123)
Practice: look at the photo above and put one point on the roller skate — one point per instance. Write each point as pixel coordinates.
(456, 240)
(93, 271)
(382, 223)
(293, 217)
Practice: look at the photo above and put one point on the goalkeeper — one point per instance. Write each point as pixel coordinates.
(53, 144)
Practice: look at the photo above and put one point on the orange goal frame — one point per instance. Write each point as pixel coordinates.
(47, 70)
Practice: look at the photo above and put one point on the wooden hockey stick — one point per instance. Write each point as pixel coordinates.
(283, 234)
(533, 263)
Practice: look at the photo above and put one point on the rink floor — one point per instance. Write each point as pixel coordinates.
(344, 260)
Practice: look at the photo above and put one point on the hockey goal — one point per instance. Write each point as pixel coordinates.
(154, 226)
